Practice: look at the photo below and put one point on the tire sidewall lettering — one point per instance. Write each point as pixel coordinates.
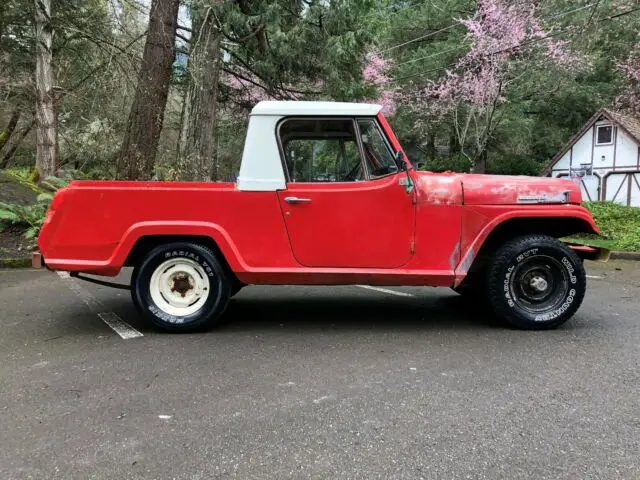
(211, 270)
(193, 256)
(571, 270)
(506, 286)
(546, 317)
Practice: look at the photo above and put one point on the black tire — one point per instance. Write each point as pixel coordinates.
(467, 290)
(473, 288)
(210, 272)
(535, 282)
(236, 287)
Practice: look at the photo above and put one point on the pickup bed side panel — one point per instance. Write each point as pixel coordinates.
(95, 230)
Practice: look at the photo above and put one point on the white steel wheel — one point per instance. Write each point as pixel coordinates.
(179, 287)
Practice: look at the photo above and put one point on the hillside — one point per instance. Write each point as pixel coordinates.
(14, 190)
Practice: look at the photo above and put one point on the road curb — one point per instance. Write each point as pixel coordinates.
(23, 262)
(635, 256)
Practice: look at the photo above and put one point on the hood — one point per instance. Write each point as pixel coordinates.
(518, 190)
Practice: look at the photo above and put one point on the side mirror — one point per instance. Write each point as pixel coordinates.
(403, 167)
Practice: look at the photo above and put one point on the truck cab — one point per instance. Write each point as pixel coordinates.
(325, 195)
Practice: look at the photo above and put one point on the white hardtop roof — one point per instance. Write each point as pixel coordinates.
(315, 108)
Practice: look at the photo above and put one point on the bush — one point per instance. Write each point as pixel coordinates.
(30, 217)
(614, 220)
(454, 164)
(630, 241)
(617, 223)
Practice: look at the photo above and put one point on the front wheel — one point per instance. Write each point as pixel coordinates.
(536, 282)
(181, 287)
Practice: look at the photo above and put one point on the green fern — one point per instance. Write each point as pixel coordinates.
(30, 217)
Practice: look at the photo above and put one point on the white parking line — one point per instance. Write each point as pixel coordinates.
(594, 276)
(385, 290)
(118, 325)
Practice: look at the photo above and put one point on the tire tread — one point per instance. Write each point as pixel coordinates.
(504, 255)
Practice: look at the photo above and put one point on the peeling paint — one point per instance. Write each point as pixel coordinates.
(438, 189)
(453, 258)
(544, 197)
(512, 190)
(466, 263)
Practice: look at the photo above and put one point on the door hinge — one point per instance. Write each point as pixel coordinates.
(412, 247)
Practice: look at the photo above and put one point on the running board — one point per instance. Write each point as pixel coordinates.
(100, 282)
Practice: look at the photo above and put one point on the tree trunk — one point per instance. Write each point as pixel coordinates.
(6, 133)
(480, 164)
(46, 131)
(140, 144)
(197, 147)
(431, 146)
(9, 148)
(454, 144)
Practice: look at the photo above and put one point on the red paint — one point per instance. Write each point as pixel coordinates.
(504, 189)
(352, 224)
(358, 232)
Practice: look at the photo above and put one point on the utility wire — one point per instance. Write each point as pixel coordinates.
(612, 17)
(457, 24)
(420, 38)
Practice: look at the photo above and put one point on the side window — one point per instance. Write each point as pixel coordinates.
(377, 154)
(318, 150)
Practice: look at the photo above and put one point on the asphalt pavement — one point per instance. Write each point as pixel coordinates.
(317, 382)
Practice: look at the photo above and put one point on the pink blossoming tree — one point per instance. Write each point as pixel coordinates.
(375, 75)
(629, 99)
(504, 36)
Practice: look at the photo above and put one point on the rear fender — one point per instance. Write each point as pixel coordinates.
(204, 229)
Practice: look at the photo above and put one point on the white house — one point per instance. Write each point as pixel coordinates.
(604, 156)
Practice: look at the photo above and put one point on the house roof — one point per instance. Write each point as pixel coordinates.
(631, 125)
(314, 108)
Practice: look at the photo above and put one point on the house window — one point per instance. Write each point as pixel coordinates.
(604, 135)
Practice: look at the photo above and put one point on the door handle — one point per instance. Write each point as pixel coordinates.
(297, 200)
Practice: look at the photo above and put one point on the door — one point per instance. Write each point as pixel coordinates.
(346, 204)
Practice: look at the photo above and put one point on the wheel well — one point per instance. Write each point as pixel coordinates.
(144, 244)
(557, 227)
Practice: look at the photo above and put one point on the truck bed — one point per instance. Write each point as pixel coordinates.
(92, 225)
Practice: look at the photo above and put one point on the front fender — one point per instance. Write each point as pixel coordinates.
(496, 216)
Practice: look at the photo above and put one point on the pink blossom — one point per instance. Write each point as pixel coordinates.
(501, 33)
(375, 74)
(629, 98)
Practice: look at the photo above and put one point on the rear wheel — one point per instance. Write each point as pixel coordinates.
(535, 282)
(181, 287)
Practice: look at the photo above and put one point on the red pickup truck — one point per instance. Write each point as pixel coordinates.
(326, 196)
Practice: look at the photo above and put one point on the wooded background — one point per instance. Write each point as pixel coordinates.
(161, 89)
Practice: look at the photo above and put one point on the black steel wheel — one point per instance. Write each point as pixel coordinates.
(535, 282)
